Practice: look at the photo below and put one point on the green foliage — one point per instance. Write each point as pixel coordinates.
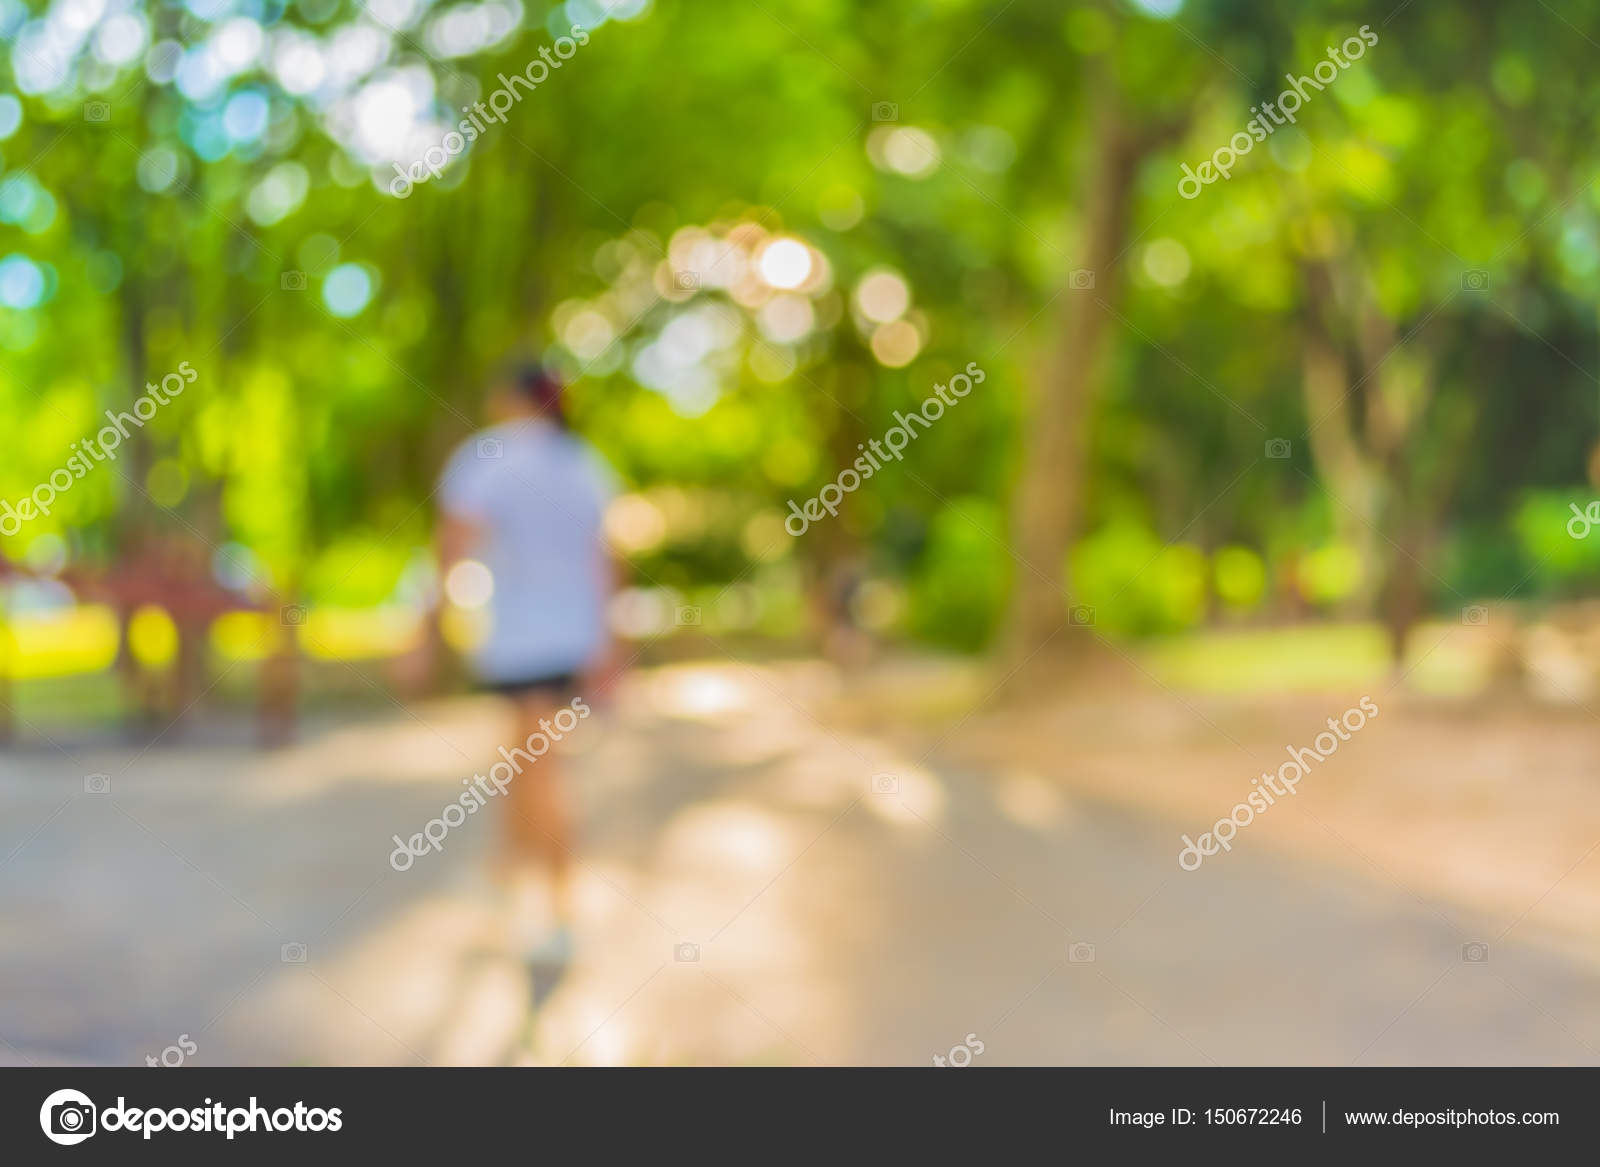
(1137, 584)
(958, 586)
(323, 412)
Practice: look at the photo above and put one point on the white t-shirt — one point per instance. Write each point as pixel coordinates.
(537, 493)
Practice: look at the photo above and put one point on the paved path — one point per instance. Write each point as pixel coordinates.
(834, 922)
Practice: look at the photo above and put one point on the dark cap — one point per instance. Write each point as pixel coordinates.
(538, 386)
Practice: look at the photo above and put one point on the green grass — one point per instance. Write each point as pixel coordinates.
(1313, 658)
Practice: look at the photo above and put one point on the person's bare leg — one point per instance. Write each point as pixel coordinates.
(538, 821)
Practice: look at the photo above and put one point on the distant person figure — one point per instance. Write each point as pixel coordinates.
(525, 498)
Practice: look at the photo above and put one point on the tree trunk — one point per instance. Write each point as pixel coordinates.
(1048, 505)
(1400, 597)
(1341, 461)
(1389, 460)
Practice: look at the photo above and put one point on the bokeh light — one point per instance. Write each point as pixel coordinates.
(785, 263)
(786, 319)
(245, 116)
(167, 483)
(10, 115)
(882, 296)
(22, 282)
(840, 208)
(1166, 261)
(896, 344)
(469, 584)
(347, 289)
(904, 150)
(121, 38)
(279, 194)
(157, 169)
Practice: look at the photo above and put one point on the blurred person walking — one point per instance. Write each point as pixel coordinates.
(524, 499)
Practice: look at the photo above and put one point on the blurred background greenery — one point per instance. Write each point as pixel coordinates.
(1353, 385)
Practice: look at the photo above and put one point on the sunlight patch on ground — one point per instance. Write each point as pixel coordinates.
(491, 1003)
(1030, 801)
(443, 740)
(908, 796)
(822, 778)
(697, 692)
(1558, 669)
(760, 739)
(723, 834)
(369, 1003)
(609, 892)
(590, 1027)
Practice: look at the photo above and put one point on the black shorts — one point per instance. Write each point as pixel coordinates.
(558, 686)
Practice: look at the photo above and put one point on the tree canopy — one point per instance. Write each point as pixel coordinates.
(1355, 374)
